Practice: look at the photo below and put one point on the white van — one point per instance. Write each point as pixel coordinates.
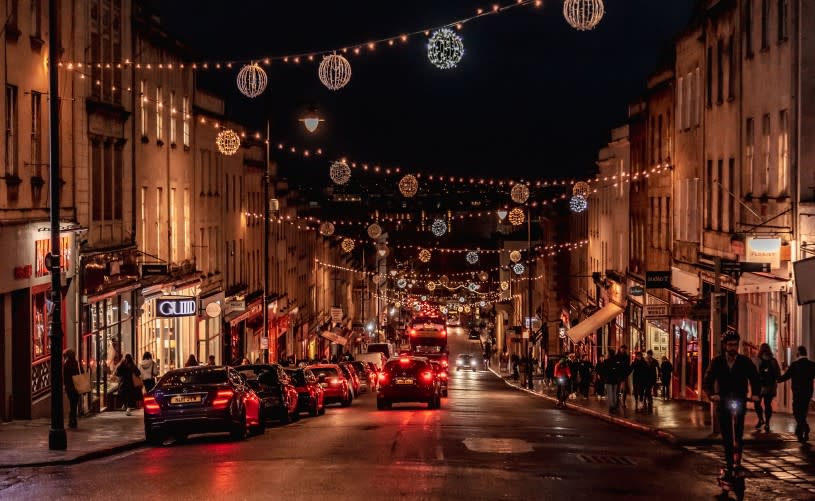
(385, 348)
(376, 358)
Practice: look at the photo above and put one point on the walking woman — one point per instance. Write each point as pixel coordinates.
(127, 372)
(768, 374)
(69, 370)
(149, 371)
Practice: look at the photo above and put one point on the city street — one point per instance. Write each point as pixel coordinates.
(488, 441)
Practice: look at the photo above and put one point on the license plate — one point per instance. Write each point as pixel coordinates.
(324, 385)
(185, 399)
(404, 381)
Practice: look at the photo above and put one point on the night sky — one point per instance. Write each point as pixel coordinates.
(532, 97)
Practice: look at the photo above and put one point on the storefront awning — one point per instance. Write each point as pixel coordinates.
(585, 328)
(334, 338)
(761, 282)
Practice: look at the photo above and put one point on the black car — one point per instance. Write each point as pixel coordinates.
(278, 396)
(408, 379)
(474, 335)
(201, 399)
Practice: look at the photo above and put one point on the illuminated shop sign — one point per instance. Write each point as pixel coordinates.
(177, 306)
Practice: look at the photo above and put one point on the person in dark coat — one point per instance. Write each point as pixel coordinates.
(69, 370)
(768, 374)
(622, 368)
(639, 373)
(127, 390)
(666, 370)
(600, 377)
(651, 379)
(802, 374)
(611, 373)
(192, 361)
(585, 368)
(574, 367)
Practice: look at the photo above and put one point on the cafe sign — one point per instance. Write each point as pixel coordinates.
(176, 306)
(763, 250)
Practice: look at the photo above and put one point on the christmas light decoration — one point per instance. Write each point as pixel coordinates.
(431, 286)
(347, 245)
(472, 257)
(397, 304)
(439, 227)
(327, 229)
(581, 188)
(334, 71)
(583, 15)
(340, 172)
(518, 268)
(382, 249)
(417, 307)
(517, 216)
(443, 309)
(401, 283)
(374, 231)
(502, 214)
(520, 193)
(482, 304)
(409, 185)
(424, 298)
(504, 285)
(462, 299)
(378, 279)
(445, 49)
(444, 280)
(467, 309)
(252, 80)
(578, 204)
(483, 276)
(472, 286)
(515, 256)
(228, 142)
(424, 255)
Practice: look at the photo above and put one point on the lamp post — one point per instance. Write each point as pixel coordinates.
(267, 212)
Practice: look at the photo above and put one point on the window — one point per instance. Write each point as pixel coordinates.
(783, 152)
(173, 228)
(783, 19)
(96, 175)
(709, 76)
(106, 45)
(36, 18)
(159, 200)
(719, 187)
(680, 103)
(143, 216)
(36, 132)
(709, 196)
(172, 117)
(11, 130)
(697, 97)
(719, 71)
(186, 236)
(106, 189)
(765, 24)
(749, 156)
(11, 20)
(185, 110)
(118, 176)
(731, 69)
(765, 143)
(143, 106)
(731, 199)
(107, 181)
(659, 139)
(159, 117)
(748, 28)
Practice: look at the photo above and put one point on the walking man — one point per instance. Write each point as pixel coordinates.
(611, 375)
(802, 374)
(666, 370)
(585, 369)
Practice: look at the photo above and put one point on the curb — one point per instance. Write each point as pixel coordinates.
(88, 456)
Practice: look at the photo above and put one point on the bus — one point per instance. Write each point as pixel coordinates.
(428, 338)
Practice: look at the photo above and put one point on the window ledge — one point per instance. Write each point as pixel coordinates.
(186, 147)
(13, 180)
(36, 42)
(159, 142)
(12, 32)
(145, 139)
(173, 145)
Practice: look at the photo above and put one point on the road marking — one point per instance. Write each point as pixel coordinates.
(498, 445)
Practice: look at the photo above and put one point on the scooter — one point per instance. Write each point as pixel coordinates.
(733, 481)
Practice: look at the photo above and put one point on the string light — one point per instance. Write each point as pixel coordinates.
(483, 276)
(445, 49)
(334, 71)
(228, 142)
(252, 80)
(339, 172)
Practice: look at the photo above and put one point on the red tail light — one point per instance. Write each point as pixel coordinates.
(404, 360)
(427, 376)
(412, 332)
(383, 378)
(444, 363)
(334, 380)
(222, 398)
(151, 406)
(443, 375)
(443, 333)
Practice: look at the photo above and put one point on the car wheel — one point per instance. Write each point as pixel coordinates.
(239, 431)
(438, 402)
(180, 437)
(380, 404)
(432, 403)
(322, 410)
(296, 416)
(285, 417)
(153, 437)
(346, 401)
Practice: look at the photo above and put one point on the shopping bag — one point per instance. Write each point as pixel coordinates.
(137, 382)
(82, 382)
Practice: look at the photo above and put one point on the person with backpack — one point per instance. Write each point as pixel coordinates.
(768, 374)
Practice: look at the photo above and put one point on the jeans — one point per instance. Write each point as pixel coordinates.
(611, 393)
(766, 413)
(800, 407)
(731, 422)
(73, 408)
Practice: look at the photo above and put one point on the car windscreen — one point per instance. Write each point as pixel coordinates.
(325, 372)
(410, 365)
(298, 378)
(183, 377)
(268, 376)
(358, 366)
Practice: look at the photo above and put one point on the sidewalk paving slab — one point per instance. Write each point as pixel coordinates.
(24, 443)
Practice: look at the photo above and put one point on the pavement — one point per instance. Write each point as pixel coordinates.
(679, 422)
(25, 442)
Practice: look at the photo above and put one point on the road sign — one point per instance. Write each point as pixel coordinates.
(655, 310)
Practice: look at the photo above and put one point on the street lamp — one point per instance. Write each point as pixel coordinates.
(311, 120)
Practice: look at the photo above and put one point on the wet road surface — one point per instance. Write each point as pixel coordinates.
(487, 441)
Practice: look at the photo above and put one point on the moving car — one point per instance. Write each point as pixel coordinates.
(441, 373)
(277, 395)
(474, 335)
(408, 379)
(334, 384)
(201, 399)
(310, 395)
(466, 361)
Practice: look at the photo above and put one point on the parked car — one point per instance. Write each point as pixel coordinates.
(336, 387)
(408, 379)
(377, 358)
(352, 377)
(367, 374)
(310, 395)
(201, 399)
(278, 396)
(441, 373)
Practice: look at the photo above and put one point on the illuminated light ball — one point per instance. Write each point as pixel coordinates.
(327, 229)
(374, 231)
(472, 286)
(467, 309)
(378, 279)
(334, 71)
(340, 172)
(439, 227)
(461, 299)
(460, 308)
(583, 15)
(443, 309)
(445, 49)
(581, 188)
(520, 193)
(515, 256)
(482, 304)
(347, 245)
(408, 185)
(252, 80)
(517, 216)
(424, 298)
(382, 249)
(444, 280)
(504, 285)
(401, 283)
(518, 268)
(228, 142)
(578, 204)
(431, 286)
(424, 255)
(397, 304)
(393, 273)
(483, 276)
(417, 307)
(472, 257)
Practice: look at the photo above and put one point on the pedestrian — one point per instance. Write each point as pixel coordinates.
(129, 387)
(211, 360)
(530, 369)
(504, 362)
(623, 367)
(550, 370)
(650, 380)
(726, 384)
(802, 374)
(585, 368)
(148, 371)
(665, 373)
(574, 367)
(611, 375)
(768, 374)
(600, 377)
(563, 374)
(245, 361)
(191, 361)
(639, 374)
(514, 361)
(69, 370)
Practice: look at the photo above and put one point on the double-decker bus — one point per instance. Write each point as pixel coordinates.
(427, 336)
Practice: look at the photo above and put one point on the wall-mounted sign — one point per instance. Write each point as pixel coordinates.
(213, 310)
(22, 272)
(151, 270)
(655, 310)
(336, 315)
(763, 250)
(176, 306)
(657, 279)
(637, 290)
(235, 305)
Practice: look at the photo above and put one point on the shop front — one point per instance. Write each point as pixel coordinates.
(657, 327)
(636, 321)
(168, 324)
(210, 327)
(243, 340)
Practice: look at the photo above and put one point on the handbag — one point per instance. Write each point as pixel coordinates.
(137, 382)
(82, 382)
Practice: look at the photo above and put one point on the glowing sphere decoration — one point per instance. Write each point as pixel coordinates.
(339, 172)
(518, 268)
(347, 245)
(445, 49)
(583, 15)
(444, 280)
(443, 309)
(334, 71)
(483, 276)
(374, 231)
(408, 185)
(424, 298)
(461, 299)
(417, 307)
(252, 80)
(581, 188)
(424, 255)
(397, 304)
(228, 142)
(378, 279)
(401, 283)
(439, 227)
(467, 309)
(327, 229)
(520, 193)
(517, 216)
(472, 286)
(472, 257)
(382, 249)
(515, 256)
(504, 285)
(578, 204)
(482, 304)
(431, 286)
(460, 308)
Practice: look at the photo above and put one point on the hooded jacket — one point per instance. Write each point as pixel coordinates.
(148, 369)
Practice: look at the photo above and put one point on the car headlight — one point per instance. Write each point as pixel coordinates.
(458, 362)
(472, 363)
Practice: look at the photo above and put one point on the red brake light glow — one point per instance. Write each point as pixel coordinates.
(404, 360)
(427, 376)
(151, 406)
(334, 380)
(412, 332)
(222, 398)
